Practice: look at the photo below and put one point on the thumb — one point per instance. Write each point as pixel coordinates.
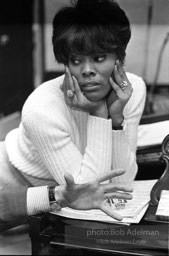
(69, 179)
(114, 86)
(77, 88)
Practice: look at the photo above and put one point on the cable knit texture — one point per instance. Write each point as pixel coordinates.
(54, 138)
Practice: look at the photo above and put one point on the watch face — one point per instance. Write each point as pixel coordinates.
(52, 195)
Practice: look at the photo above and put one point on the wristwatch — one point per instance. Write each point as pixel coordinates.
(52, 200)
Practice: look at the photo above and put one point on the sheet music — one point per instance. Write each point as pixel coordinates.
(133, 212)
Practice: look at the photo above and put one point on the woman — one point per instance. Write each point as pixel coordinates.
(84, 122)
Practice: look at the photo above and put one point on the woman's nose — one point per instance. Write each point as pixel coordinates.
(88, 69)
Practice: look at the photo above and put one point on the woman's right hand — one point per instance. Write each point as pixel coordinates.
(74, 97)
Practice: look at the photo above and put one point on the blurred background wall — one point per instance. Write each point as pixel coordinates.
(150, 25)
(16, 62)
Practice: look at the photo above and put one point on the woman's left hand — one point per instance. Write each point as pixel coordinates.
(121, 93)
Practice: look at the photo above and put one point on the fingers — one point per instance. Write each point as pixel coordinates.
(115, 86)
(68, 80)
(68, 86)
(111, 97)
(69, 180)
(116, 187)
(66, 92)
(71, 88)
(110, 175)
(121, 81)
(108, 210)
(119, 195)
(119, 73)
(77, 88)
(71, 185)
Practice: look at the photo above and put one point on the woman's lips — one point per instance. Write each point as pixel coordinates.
(89, 87)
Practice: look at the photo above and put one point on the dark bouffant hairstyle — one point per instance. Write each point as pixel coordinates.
(88, 27)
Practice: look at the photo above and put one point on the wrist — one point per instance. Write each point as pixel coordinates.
(118, 123)
(53, 199)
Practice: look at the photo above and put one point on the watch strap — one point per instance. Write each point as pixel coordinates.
(55, 206)
(51, 195)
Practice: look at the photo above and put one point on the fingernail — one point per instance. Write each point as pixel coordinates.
(117, 62)
(115, 67)
(111, 80)
(74, 79)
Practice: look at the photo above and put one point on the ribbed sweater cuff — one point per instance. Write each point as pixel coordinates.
(119, 136)
(99, 130)
(37, 200)
(119, 147)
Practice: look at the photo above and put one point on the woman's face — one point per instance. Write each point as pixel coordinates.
(93, 73)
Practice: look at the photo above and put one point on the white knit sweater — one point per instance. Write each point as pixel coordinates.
(53, 138)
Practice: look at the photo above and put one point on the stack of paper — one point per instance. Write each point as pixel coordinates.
(152, 134)
(132, 213)
(163, 206)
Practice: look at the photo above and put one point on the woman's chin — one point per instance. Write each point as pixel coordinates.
(92, 97)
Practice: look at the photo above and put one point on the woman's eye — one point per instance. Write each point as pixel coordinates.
(100, 58)
(75, 60)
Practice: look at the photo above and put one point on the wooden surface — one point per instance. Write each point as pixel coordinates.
(15, 241)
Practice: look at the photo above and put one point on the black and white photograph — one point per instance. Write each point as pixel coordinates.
(84, 127)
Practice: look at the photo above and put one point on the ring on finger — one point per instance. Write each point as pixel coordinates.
(123, 85)
(70, 93)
